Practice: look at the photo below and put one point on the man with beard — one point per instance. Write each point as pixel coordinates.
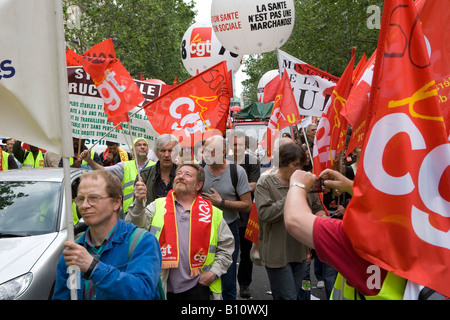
(126, 170)
(196, 243)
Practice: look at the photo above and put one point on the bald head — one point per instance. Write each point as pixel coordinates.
(214, 150)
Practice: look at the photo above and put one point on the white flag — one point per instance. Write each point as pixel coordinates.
(34, 100)
(312, 87)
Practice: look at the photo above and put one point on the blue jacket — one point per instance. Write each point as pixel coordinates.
(115, 277)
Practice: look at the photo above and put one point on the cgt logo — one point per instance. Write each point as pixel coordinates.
(6, 69)
(200, 45)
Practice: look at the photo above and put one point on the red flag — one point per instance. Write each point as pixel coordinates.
(399, 215)
(284, 112)
(115, 85)
(435, 16)
(252, 229)
(270, 89)
(200, 103)
(355, 109)
(359, 69)
(332, 128)
(72, 58)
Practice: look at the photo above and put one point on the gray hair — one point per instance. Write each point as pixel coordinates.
(165, 139)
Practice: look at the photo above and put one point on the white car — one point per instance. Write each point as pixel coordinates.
(32, 230)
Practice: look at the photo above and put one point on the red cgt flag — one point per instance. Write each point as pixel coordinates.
(399, 215)
(72, 58)
(198, 104)
(332, 128)
(119, 91)
(434, 16)
(284, 111)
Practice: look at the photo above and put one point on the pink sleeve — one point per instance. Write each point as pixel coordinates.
(333, 247)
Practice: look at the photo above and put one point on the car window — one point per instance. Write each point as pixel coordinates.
(29, 207)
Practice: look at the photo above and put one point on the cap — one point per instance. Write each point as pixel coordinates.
(139, 139)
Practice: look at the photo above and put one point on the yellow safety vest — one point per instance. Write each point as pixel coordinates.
(393, 288)
(5, 156)
(129, 176)
(71, 159)
(74, 213)
(158, 224)
(30, 162)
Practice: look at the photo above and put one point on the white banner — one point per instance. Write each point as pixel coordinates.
(88, 119)
(312, 87)
(33, 82)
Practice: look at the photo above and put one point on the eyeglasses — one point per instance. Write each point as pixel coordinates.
(92, 200)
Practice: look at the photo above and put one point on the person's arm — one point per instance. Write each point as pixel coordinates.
(269, 211)
(86, 156)
(18, 152)
(336, 180)
(140, 279)
(12, 162)
(244, 204)
(223, 257)
(298, 218)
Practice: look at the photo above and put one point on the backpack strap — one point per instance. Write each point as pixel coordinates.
(135, 238)
(234, 176)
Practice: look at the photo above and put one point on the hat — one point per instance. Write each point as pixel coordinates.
(139, 139)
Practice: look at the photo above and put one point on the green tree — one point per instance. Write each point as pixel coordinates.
(324, 34)
(147, 33)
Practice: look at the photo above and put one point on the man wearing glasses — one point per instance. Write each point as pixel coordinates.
(102, 256)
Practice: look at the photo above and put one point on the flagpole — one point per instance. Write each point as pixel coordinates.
(72, 270)
(66, 139)
(307, 144)
(104, 136)
(135, 157)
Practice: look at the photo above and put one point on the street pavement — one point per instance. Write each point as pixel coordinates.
(260, 287)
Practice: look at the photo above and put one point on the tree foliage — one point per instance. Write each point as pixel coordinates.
(324, 34)
(146, 33)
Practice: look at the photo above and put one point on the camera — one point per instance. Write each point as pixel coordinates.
(317, 186)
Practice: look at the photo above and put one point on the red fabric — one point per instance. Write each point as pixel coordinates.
(200, 232)
(1, 159)
(270, 90)
(198, 104)
(401, 193)
(119, 91)
(252, 230)
(332, 128)
(72, 58)
(334, 248)
(435, 16)
(284, 111)
(355, 110)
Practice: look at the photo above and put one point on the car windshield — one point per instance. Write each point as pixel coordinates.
(28, 207)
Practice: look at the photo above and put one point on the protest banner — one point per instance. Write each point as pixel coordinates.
(88, 119)
(312, 87)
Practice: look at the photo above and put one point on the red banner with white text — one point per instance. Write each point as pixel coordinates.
(195, 106)
(399, 216)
